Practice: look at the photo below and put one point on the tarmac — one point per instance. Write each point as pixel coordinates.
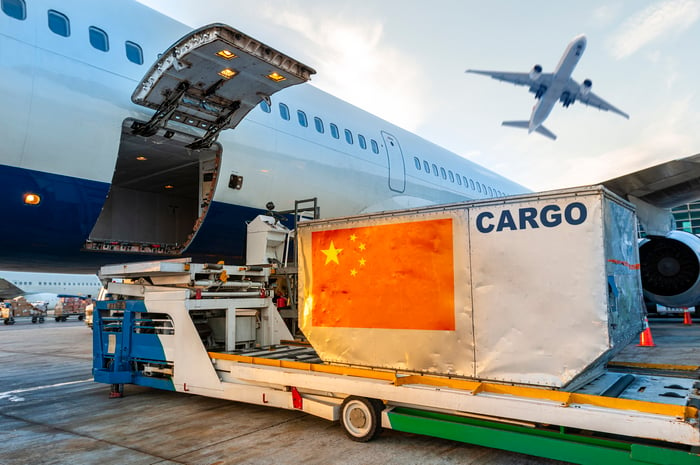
(51, 412)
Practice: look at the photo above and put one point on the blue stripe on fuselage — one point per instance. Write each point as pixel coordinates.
(60, 223)
(50, 236)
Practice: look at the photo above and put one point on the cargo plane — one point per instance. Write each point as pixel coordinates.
(550, 88)
(127, 135)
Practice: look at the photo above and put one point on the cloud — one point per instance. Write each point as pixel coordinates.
(652, 23)
(354, 62)
(606, 14)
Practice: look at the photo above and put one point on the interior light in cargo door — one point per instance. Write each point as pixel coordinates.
(226, 54)
(32, 199)
(227, 73)
(276, 77)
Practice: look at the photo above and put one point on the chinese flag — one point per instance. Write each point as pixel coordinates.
(393, 276)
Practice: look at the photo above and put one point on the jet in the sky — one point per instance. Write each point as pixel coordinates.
(549, 88)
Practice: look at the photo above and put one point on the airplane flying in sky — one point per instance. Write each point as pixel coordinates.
(550, 88)
(127, 135)
(47, 287)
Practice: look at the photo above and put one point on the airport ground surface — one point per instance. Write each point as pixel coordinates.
(51, 412)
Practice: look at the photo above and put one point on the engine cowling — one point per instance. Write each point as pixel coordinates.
(586, 87)
(670, 269)
(536, 72)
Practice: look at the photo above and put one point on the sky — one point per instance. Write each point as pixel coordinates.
(405, 61)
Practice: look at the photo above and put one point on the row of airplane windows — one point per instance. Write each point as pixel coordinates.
(31, 283)
(303, 120)
(468, 183)
(59, 24)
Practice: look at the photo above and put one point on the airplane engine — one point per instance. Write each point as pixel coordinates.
(670, 269)
(536, 72)
(586, 87)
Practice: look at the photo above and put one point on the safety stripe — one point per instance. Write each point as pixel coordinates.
(474, 387)
(631, 266)
(654, 366)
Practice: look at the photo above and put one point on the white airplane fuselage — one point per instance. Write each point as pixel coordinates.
(65, 130)
(49, 287)
(562, 74)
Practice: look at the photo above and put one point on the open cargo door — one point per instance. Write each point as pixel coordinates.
(166, 170)
(210, 79)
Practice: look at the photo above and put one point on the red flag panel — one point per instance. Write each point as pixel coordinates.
(392, 276)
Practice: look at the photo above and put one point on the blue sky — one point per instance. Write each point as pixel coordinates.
(405, 60)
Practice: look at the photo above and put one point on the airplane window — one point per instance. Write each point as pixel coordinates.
(426, 165)
(471, 184)
(133, 52)
(435, 170)
(334, 131)
(478, 187)
(362, 141)
(459, 178)
(59, 23)
(348, 136)
(284, 111)
(443, 173)
(452, 176)
(15, 9)
(375, 146)
(318, 122)
(99, 39)
(265, 107)
(416, 161)
(302, 118)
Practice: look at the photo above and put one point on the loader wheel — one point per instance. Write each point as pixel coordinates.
(361, 418)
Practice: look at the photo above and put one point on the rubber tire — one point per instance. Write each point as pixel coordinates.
(6, 321)
(41, 319)
(12, 321)
(361, 418)
(58, 318)
(80, 317)
(33, 320)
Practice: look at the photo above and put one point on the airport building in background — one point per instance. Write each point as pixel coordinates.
(688, 217)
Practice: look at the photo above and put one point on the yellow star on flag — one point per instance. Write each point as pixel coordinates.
(331, 254)
(353, 237)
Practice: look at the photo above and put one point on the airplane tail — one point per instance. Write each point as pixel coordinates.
(526, 125)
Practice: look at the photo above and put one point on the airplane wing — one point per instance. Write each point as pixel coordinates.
(536, 86)
(8, 290)
(589, 98)
(666, 185)
(655, 190)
